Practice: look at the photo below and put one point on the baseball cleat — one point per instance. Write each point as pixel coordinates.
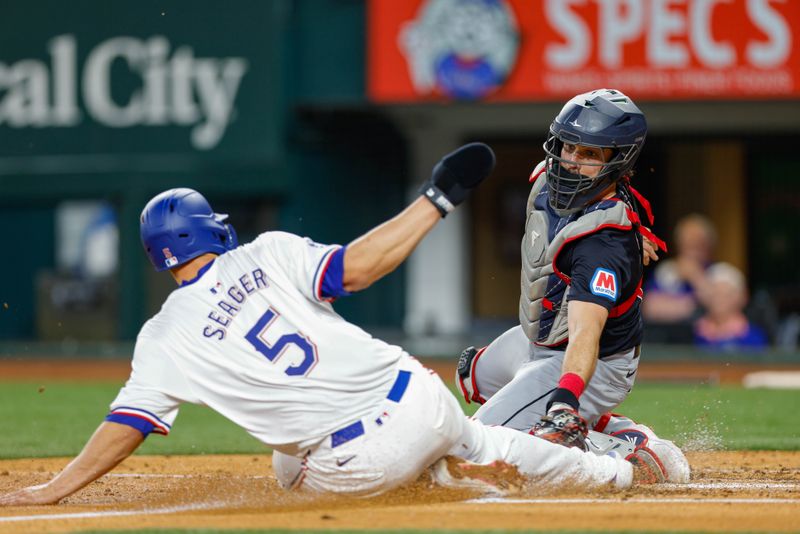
(497, 477)
(647, 467)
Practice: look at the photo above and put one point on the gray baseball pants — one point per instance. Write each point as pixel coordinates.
(517, 378)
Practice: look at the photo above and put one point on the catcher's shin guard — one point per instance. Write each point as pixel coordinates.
(622, 433)
(465, 375)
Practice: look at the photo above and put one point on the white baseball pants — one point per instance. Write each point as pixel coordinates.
(401, 439)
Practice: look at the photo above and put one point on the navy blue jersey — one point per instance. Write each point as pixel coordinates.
(606, 268)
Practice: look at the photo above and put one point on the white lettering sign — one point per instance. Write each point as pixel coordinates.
(712, 53)
(178, 90)
(777, 48)
(575, 53)
(618, 28)
(674, 31)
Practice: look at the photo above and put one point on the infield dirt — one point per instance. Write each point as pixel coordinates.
(730, 491)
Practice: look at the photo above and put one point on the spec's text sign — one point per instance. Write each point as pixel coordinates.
(518, 50)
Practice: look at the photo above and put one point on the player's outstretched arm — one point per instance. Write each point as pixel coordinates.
(382, 249)
(109, 445)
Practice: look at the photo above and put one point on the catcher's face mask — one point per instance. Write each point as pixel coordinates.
(578, 173)
(598, 121)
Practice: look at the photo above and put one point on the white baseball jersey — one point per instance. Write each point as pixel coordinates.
(253, 338)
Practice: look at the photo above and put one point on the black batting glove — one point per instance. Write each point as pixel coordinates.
(456, 175)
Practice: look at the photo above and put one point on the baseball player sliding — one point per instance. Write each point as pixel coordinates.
(251, 333)
(575, 354)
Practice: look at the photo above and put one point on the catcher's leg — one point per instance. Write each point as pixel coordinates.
(523, 401)
(610, 385)
(482, 372)
(624, 432)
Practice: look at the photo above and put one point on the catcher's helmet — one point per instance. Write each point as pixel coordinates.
(179, 225)
(603, 118)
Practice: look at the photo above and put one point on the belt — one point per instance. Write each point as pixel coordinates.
(354, 430)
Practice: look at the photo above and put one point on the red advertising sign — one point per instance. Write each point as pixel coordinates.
(527, 50)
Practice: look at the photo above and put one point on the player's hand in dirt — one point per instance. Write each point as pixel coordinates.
(30, 496)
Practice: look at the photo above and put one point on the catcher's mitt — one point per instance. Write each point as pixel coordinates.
(563, 425)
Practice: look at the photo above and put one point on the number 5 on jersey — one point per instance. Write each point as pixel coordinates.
(267, 338)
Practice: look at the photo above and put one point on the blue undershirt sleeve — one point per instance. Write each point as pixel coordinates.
(333, 277)
(142, 425)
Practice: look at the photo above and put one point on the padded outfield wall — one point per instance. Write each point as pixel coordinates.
(108, 104)
(279, 111)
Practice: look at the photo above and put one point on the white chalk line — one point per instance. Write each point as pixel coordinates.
(643, 500)
(162, 475)
(732, 485)
(484, 500)
(121, 513)
(718, 485)
(166, 475)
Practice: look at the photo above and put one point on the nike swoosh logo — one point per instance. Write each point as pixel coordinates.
(630, 374)
(340, 463)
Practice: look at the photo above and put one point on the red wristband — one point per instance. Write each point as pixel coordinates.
(573, 383)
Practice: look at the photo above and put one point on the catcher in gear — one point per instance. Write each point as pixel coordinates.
(573, 358)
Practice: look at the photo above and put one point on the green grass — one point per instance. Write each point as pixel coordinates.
(700, 417)
(59, 420)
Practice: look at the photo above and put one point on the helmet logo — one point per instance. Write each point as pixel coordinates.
(170, 260)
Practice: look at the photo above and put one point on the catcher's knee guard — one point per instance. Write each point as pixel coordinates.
(465, 375)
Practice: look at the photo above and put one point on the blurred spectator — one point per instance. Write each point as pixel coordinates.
(674, 293)
(724, 325)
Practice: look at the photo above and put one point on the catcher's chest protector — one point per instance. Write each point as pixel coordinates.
(543, 299)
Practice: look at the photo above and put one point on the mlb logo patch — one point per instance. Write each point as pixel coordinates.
(604, 284)
(170, 260)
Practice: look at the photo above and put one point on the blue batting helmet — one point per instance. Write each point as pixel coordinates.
(179, 225)
(604, 118)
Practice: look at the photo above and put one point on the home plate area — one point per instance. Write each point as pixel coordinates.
(729, 491)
